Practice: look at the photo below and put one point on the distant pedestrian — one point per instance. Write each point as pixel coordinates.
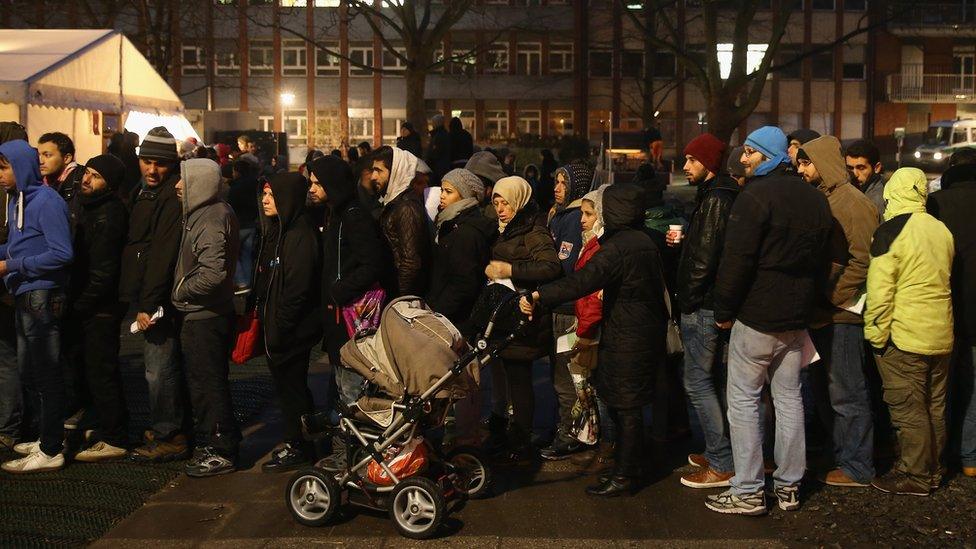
(462, 144)
(409, 140)
(438, 155)
(243, 198)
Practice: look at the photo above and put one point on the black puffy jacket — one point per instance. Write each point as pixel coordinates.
(953, 206)
(406, 229)
(353, 255)
(99, 239)
(462, 252)
(702, 246)
(627, 268)
(149, 257)
(288, 305)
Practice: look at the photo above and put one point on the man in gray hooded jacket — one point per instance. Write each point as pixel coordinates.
(203, 293)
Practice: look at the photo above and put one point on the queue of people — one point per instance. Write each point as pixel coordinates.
(788, 260)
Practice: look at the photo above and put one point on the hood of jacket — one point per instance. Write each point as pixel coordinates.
(958, 174)
(580, 177)
(290, 191)
(825, 154)
(402, 172)
(336, 178)
(622, 206)
(26, 164)
(201, 183)
(905, 192)
(485, 164)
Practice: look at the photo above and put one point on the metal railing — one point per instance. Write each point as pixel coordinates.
(920, 14)
(931, 88)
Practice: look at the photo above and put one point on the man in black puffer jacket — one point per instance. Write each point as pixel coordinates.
(700, 254)
(628, 269)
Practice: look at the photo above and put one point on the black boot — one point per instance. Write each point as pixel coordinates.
(497, 434)
(614, 486)
(289, 457)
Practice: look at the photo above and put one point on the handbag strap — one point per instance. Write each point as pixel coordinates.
(339, 253)
(667, 295)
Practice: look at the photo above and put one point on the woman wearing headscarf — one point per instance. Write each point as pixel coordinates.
(462, 247)
(525, 255)
(628, 269)
(287, 299)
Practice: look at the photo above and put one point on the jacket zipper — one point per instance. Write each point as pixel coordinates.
(267, 298)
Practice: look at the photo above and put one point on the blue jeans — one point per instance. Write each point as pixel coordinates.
(754, 358)
(245, 260)
(702, 358)
(38, 326)
(842, 383)
(164, 374)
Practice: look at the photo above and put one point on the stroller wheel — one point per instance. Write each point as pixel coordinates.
(313, 497)
(417, 508)
(474, 475)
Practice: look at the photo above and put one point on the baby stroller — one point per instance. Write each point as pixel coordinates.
(420, 364)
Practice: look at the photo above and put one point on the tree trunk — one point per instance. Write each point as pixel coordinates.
(416, 81)
(647, 102)
(722, 120)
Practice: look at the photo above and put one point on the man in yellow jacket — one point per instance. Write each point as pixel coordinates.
(908, 321)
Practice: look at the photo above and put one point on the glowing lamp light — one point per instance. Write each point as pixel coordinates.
(287, 99)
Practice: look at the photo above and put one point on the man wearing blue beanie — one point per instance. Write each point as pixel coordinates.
(774, 256)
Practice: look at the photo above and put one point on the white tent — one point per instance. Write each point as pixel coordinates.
(80, 81)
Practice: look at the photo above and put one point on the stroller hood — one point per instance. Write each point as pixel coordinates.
(412, 349)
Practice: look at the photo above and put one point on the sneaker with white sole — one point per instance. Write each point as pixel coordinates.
(788, 497)
(37, 462)
(731, 504)
(100, 451)
(27, 448)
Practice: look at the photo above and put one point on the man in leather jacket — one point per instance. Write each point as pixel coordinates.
(403, 220)
(696, 277)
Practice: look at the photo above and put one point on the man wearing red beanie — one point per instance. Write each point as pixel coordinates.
(696, 277)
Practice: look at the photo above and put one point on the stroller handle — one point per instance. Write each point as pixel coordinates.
(501, 304)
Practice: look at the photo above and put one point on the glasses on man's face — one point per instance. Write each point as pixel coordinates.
(748, 151)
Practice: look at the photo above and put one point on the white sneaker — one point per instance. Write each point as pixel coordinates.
(27, 448)
(38, 462)
(100, 451)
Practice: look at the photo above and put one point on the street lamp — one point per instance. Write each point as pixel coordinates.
(287, 99)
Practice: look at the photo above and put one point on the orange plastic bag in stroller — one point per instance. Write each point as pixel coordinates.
(410, 460)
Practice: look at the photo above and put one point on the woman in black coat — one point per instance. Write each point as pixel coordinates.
(628, 269)
(353, 255)
(287, 299)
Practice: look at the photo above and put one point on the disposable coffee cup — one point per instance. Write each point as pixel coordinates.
(674, 232)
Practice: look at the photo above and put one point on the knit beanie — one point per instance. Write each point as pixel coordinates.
(707, 149)
(467, 184)
(803, 135)
(159, 144)
(110, 168)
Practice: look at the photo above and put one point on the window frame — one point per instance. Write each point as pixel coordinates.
(299, 49)
(267, 54)
(493, 50)
(367, 60)
(566, 51)
(609, 54)
(530, 50)
(199, 68)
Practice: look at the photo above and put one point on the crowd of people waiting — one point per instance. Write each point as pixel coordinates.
(818, 274)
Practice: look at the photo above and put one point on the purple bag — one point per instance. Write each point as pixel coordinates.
(363, 315)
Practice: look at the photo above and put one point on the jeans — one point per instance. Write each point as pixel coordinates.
(245, 261)
(209, 343)
(92, 350)
(703, 364)
(965, 385)
(11, 393)
(291, 384)
(350, 384)
(38, 326)
(840, 381)
(562, 382)
(754, 358)
(915, 391)
(164, 373)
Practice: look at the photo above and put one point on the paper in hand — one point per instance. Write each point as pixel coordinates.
(134, 328)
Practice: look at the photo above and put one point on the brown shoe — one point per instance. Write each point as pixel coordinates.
(706, 477)
(160, 451)
(698, 460)
(969, 471)
(898, 483)
(839, 478)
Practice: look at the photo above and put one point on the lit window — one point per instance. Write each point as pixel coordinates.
(496, 124)
(360, 129)
(561, 57)
(496, 58)
(560, 122)
(464, 60)
(296, 124)
(754, 57)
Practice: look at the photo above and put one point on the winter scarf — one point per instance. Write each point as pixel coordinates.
(402, 172)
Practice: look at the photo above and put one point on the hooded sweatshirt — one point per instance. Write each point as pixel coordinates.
(908, 301)
(38, 250)
(855, 220)
(204, 276)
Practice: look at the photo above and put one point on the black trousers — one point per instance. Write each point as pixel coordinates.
(522, 395)
(206, 347)
(629, 423)
(91, 351)
(291, 384)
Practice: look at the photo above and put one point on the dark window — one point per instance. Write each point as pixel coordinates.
(822, 66)
(788, 53)
(631, 64)
(823, 4)
(791, 5)
(855, 5)
(601, 64)
(853, 71)
(664, 65)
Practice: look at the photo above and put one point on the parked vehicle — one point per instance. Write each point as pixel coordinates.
(941, 140)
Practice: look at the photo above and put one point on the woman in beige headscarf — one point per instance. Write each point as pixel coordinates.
(525, 255)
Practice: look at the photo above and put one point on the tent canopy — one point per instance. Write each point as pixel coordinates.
(98, 70)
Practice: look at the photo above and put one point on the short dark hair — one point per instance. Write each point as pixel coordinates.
(963, 157)
(384, 154)
(64, 143)
(365, 146)
(244, 168)
(862, 148)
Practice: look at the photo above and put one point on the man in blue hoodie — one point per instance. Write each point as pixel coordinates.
(34, 265)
